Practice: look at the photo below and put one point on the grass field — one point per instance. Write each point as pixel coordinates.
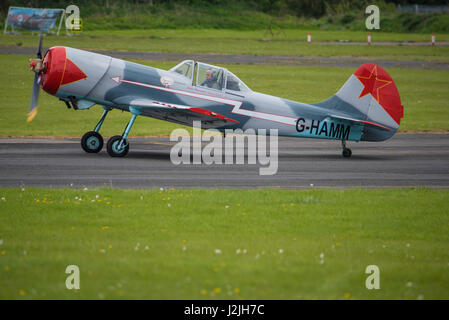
(216, 244)
(424, 95)
(277, 34)
(289, 42)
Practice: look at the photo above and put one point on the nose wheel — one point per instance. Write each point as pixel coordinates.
(92, 142)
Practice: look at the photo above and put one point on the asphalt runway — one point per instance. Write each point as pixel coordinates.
(405, 160)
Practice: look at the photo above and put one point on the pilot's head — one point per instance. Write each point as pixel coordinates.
(211, 75)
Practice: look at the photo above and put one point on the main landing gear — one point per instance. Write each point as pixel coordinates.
(117, 146)
(92, 141)
(346, 151)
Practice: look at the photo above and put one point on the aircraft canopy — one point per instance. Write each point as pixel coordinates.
(209, 76)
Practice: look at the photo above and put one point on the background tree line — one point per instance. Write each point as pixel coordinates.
(307, 8)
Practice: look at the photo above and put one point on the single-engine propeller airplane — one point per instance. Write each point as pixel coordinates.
(366, 108)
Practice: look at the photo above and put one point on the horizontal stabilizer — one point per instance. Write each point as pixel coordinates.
(361, 122)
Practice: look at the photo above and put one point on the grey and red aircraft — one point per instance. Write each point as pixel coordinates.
(366, 108)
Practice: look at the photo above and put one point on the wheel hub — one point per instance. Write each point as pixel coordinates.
(92, 142)
(119, 147)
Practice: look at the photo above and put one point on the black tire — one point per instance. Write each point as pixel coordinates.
(347, 152)
(112, 147)
(92, 142)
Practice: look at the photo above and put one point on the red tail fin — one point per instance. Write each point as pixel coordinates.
(380, 85)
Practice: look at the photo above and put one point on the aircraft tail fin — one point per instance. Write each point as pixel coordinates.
(369, 96)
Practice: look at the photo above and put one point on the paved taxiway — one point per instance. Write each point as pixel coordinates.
(404, 160)
(216, 58)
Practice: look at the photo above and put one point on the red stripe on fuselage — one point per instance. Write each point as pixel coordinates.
(375, 124)
(212, 114)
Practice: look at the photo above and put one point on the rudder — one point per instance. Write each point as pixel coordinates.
(370, 96)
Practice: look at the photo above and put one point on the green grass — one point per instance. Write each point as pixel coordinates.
(424, 95)
(291, 43)
(224, 244)
(278, 34)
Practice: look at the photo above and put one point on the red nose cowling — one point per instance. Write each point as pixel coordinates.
(54, 62)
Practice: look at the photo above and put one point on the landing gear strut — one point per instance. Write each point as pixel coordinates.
(118, 146)
(92, 141)
(346, 151)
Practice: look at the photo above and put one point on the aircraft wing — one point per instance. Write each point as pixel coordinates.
(360, 122)
(176, 113)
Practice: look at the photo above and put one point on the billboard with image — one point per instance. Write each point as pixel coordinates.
(32, 19)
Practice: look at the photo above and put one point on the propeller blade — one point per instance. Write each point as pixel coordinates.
(34, 98)
(35, 91)
(39, 48)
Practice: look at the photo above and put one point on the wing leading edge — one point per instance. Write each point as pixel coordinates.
(175, 112)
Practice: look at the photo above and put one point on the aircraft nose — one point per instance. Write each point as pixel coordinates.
(72, 71)
(54, 66)
(59, 70)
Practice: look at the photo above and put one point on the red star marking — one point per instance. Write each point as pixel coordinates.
(372, 84)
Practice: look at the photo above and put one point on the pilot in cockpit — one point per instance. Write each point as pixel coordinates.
(211, 79)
